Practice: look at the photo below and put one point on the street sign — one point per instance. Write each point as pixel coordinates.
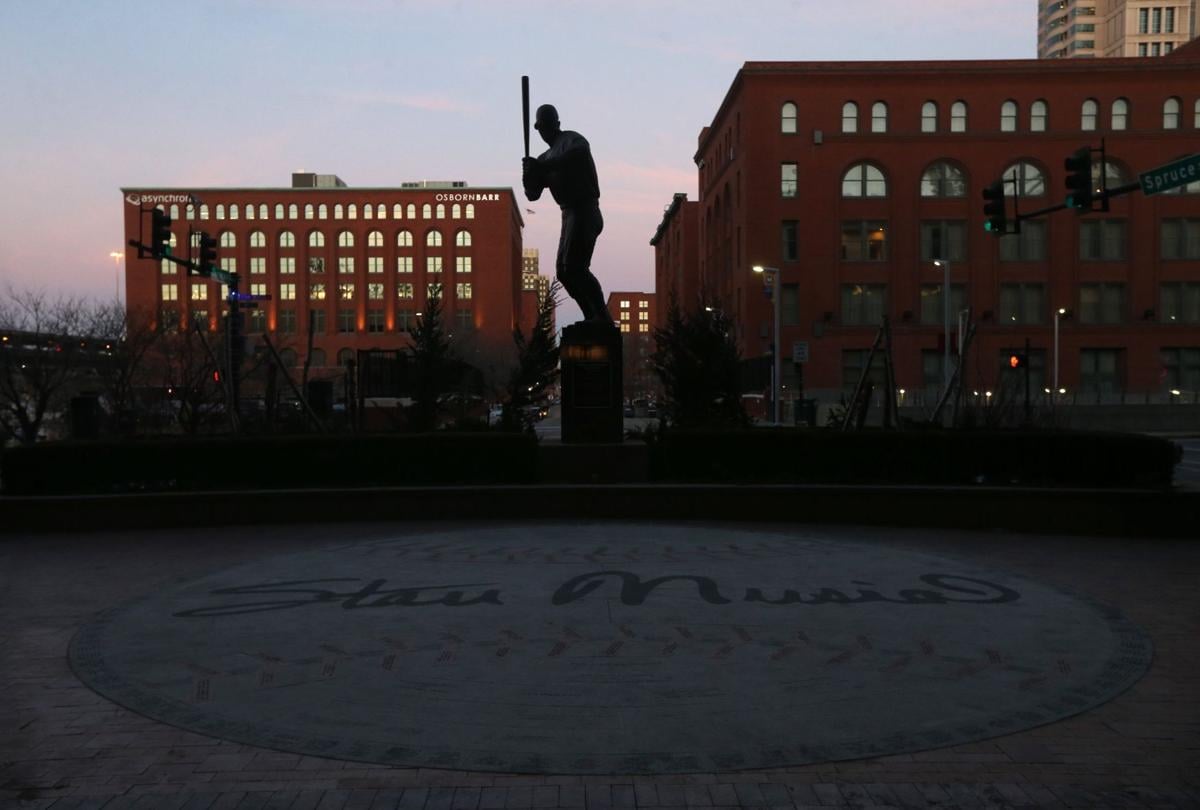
(243, 297)
(800, 351)
(1172, 175)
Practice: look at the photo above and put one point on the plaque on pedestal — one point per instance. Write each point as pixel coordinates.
(591, 383)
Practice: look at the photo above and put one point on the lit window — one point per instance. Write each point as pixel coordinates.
(258, 239)
(411, 211)
(958, 116)
(397, 211)
(203, 211)
(278, 211)
(352, 211)
(345, 239)
(943, 179)
(338, 211)
(643, 304)
(346, 290)
(287, 239)
(262, 211)
(879, 113)
(404, 290)
(787, 118)
(1120, 114)
(381, 211)
(375, 292)
(316, 239)
(643, 316)
(463, 290)
(287, 292)
(170, 292)
(1029, 178)
(433, 238)
(441, 211)
(228, 239)
(624, 316)
(200, 292)
(250, 211)
(374, 264)
(849, 117)
(308, 210)
(191, 211)
(287, 265)
(625, 304)
(864, 180)
(456, 211)
(462, 239)
(1008, 116)
(470, 210)
(168, 268)
(426, 211)
(258, 265)
(404, 264)
(404, 239)
(368, 211)
(1087, 115)
(258, 289)
(316, 291)
(788, 179)
(375, 239)
(293, 211)
(1171, 113)
(929, 116)
(433, 290)
(345, 264)
(233, 211)
(433, 264)
(643, 327)
(1037, 116)
(462, 264)
(174, 212)
(322, 211)
(220, 211)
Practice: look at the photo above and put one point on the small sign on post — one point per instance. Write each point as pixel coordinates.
(1172, 175)
(800, 351)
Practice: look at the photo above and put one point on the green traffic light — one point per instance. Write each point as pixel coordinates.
(987, 226)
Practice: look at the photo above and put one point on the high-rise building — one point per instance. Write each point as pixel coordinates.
(854, 178)
(356, 265)
(1110, 28)
(534, 287)
(634, 313)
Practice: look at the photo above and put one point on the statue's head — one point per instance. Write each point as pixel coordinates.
(546, 123)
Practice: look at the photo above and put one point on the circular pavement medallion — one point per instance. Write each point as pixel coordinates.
(609, 648)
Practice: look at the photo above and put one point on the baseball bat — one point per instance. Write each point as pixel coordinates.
(525, 109)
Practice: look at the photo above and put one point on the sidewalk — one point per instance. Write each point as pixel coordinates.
(66, 747)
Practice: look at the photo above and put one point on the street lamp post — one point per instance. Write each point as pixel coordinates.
(945, 265)
(772, 274)
(1058, 314)
(116, 256)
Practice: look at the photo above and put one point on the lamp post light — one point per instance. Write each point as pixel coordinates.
(116, 256)
(945, 265)
(1058, 315)
(772, 276)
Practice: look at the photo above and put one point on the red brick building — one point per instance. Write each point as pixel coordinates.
(360, 262)
(676, 246)
(853, 177)
(634, 313)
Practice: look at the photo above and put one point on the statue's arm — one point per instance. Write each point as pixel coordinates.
(532, 179)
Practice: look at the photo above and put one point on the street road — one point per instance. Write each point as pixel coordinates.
(1188, 470)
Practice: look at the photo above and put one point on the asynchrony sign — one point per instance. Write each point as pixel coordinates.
(154, 199)
(1172, 175)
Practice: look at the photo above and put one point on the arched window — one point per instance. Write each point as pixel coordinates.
(879, 117)
(943, 179)
(293, 211)
(397, 211)
(404, 239)
(1120, 115)
(203, 211)
(1029, 179)
(849, 117)
(308, 210)
(433, 238)
(375, 239)
(1037, 116)
(278, 211)
(258, 239)
(262, 211)
(250, 211)
(352, 211)
(1087, 115)
(338, 211)
(958, 116)
(1008, 116)
(233, 211)
(411, 213)
(191, 211)
(864, 180)
(345, 239)
(456, 211)
(462, 239)
(174, 212)
(787, 118)
(426, 211)
(1114, 174)
(287, 239)
(441, 211)
(322, 211)
(228, 239)
(220, 211)
(316, 239)
(1170, 114)
(381, 211)
(344, 356)
(470, 210)
(929, 116)
(368, 211)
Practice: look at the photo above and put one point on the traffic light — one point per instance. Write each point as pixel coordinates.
(216, 376)
(208, 253)
(1079, 179)
(160, 234)
(994, 209)
(1017, 361)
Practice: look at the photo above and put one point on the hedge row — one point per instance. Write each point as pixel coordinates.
(924, 457)
(281, 462)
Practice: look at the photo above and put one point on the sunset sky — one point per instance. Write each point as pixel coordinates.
(99, 94)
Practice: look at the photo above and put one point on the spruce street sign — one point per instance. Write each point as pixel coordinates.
(1172, 175)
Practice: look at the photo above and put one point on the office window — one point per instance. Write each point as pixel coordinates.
(1179, 302)
(1102, 239)
(397, 211)
(433, 290)
(462, 264)
(287, 265)
(404, 290)
(287, 292)
(316, 264)
(943, 239)
(1087, 115)
(374, 264)
(462, 239)
(433, 238)
(456, 211)
(404, 264)
(426, 211)
(433, 264)
(863, 304)
(375, 239)
(1029, 179)
(943, 179)
(787, 179)
(316, 291)
(258, 239)
(287, 239)
(470, 210)
(1169, 28)
(406, 320)
(220, 211)
(1143, 20)
(1170, 114)
(345, 239)
(322, 211)
(643, 327)
(1008, 116)
(174, 212)
(170, 292)
(1037, 116)
(233, 211)
(346, 290)
(929, 116)
(933, 308)
(229, 264)
(440, 211)
(191, 211)
(346, 321)
(1143, 49)
(376, 322)
(958, 116)
(1021, 304)
(864, 241)
(345, 264)
(864, 180)
(258, 265)
(316, 321)
(1120, 114)
(1180, 238)
(643, 316)
(375, 291)
(1181, 367)
(262, 211)
(879, 116)
(352, 211)
(338, 211)
(203, 211)
(462, 290)
(228, 239)
(200, 291)
(1100, 370)
(789, 248)
(316, 239)
(849, 117)
(293, 211)
(787, 118)
(624, 316)
(308, 211)
(1027, 246)
(1101, 303)
(285, 321)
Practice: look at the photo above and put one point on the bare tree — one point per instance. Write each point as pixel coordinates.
(122, 367)
(40, 359)
(184, 366)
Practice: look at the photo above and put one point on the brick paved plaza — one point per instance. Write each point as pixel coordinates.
(65, 746)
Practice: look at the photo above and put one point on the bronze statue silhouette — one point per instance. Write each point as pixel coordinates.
(567, 169)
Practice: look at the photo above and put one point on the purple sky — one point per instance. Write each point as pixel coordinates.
(99, 94)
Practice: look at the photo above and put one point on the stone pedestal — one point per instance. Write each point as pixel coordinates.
(590, 356)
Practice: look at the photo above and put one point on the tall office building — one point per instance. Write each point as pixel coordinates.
(1108, 28)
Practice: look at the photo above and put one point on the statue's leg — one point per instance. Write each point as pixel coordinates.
(585, 227)
(563, 268)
